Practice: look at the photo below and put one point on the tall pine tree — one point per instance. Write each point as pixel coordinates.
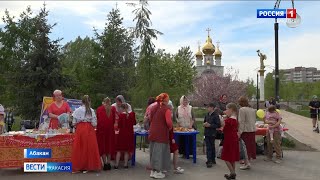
(38, 71)
(113, 67)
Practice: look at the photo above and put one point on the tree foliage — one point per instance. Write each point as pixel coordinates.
(33, 60)
(145, 35)
(173, 73)
(291, 91)
(76, 57)
(209, 87)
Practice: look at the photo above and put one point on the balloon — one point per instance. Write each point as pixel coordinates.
(278, 110)
(260, 113)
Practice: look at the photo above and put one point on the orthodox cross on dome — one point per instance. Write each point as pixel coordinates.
(208, 29)
(218, 44)
(199, 43)
(116, 5)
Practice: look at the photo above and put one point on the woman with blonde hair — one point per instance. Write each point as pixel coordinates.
(105, 132)
(85, 153)
(57, 108)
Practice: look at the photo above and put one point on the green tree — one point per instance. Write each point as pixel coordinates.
(269, 86)
(145, 34)
(76, 57)
(251, 88)
(112, 69)
(15, 40)
(173, 74)
(37, 69)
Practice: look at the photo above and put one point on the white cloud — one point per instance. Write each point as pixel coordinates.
(293, 52)
(177, 20)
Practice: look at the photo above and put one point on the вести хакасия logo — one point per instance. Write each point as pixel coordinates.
(47, 167)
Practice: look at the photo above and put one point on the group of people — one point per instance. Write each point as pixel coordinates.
(238, 125)
(158, 120)
(106, 133)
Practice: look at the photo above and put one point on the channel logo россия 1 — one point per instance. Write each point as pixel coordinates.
(277, 13)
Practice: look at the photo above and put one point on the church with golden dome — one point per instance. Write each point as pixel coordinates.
(209, 59)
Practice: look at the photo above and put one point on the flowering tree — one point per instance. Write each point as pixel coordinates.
(209, 87)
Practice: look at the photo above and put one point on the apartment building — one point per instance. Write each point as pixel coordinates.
(301, 74)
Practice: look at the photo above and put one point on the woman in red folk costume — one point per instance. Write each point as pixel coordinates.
(160, 126)
(105, 132)
(57, 108)
(125, 140)
(85, 153)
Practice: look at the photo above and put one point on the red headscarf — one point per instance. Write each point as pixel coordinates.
(162, 97)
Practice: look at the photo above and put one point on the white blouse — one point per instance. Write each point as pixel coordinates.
(79, 115)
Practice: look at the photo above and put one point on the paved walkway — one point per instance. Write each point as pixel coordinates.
(300, 128)
(296, 165)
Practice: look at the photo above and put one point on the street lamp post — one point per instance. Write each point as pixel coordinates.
(292, 24)
(257, 96)
(276, 45)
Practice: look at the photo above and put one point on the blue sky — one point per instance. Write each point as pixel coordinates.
(183, 23)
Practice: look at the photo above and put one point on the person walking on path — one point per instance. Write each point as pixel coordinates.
(314, 106)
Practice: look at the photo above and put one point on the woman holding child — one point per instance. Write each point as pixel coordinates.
(273, 119)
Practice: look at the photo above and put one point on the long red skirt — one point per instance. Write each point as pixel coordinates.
(106, 141)
(117, 149)
(249, 139)
(85, 152)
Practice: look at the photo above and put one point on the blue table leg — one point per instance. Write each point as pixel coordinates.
(133, 159)
(187, 146)
(194, 147)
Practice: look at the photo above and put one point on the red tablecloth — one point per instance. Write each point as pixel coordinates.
(12, 149)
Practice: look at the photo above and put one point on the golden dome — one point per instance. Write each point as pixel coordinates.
(208, 62)
(208, 47)
(218, 52)
(199, 53)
